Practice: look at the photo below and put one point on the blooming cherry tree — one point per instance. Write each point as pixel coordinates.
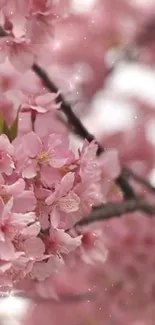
(75, 223)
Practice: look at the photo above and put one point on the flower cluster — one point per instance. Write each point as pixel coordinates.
(44, 189)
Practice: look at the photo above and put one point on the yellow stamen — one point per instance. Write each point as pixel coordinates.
(43, 157)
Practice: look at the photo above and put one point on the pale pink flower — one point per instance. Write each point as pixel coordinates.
(6, 155)
(18, 51)
(39, 155)
(63, 200)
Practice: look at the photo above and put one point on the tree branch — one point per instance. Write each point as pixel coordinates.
(116, 209)
(139, 179)
(73, 120)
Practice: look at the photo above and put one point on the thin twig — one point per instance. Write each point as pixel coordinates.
(73, 120)
(116, 209)
(126, 188)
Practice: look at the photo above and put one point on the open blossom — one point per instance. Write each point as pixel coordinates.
(38, 155)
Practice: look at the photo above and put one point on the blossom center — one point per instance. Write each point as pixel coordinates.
(43, 157)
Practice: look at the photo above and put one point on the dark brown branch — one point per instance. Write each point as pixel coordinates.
(126, 188)
(3, 33)
(116, 209)
(73, 120)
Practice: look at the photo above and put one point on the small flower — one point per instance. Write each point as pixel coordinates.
(39, 154)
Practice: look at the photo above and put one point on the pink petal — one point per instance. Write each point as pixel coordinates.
(1, 207)
(16, 188)
(56, 162)
(66, 184)
(4, 266)
(51, 199)
(42, 193)
(25, 202)
(31, 144)
(30, 170)
(32, 230)
(54, 140)
(22, 219)
(7, 209)
(21, 58)
(44, 220)
(2, 236)
(69, 203)
(5, 144)
(38, 109)
(46, 100)
(49, 175)
(54, 217)
(66, 242)
(6, 164)
(34, 247)
(2, 182)
(7, 252)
